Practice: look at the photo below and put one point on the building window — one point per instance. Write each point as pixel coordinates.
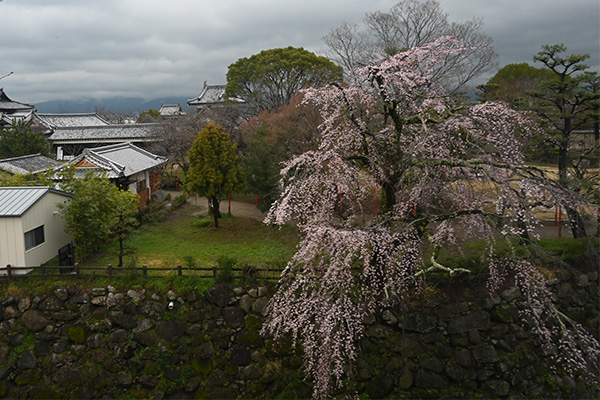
(34, 238)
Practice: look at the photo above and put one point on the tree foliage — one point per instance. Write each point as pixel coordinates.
(269, 79)
(151, 115)
(409, 24)
(97, 212)
(272, 138)
(566, 101)
(513, 83)
(445, 172)
(213, 167)
(21, 140)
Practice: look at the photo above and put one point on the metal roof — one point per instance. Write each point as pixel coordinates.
(15, 201)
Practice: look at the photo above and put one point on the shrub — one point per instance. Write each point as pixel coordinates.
(225, 272)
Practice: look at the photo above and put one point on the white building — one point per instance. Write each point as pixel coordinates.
(31, 228)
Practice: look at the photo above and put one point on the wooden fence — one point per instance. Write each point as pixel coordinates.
(10, 272)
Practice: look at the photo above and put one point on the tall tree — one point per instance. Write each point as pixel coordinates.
(274, 137)
(566, 103)
(213, 171)
(409, 24)
(21, 140)
(269, 79)
(513, 83)
(97, 212)
(444, 170)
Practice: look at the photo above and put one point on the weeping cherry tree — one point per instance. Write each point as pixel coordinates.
(444, 172)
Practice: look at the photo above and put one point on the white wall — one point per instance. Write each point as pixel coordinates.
(12, 242)
(12, 233)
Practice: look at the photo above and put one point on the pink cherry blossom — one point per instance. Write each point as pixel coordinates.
(445, 171)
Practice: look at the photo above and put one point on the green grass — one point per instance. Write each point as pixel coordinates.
(184, 239)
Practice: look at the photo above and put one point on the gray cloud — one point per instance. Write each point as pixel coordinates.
(63, 49)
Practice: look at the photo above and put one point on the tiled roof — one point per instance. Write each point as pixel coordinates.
(71, 120)
(15, 201)
(8, 105)
(24, 116)
(30, 164)
(107, 133)
(119, 160)
(171, 110)
(211, 94)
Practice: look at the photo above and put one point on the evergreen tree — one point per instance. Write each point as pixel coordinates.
(213, 167)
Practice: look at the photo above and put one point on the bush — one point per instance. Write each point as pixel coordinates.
(155, 211)
(180, 200)
(225, 271)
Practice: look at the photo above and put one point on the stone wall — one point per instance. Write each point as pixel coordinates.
(106, 343)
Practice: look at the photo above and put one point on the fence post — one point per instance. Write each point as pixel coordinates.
(110, 271)
(77, 269)
(214, 271)
(8, 272)
(179, 272)
(43, 267)
(145, 270)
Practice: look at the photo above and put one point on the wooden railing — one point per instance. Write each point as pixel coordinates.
(10, 272)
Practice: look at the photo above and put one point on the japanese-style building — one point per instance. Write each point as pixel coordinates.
(11, 110)
(210, 96)
(126, 165)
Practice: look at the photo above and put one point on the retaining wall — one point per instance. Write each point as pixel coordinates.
(106, 343)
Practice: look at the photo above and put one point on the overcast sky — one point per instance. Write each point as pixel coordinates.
(69, 49)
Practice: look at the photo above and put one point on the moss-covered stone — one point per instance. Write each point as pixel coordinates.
(76, 332)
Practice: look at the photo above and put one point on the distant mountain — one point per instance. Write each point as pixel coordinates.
(109, 104)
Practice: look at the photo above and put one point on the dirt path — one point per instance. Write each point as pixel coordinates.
(238, 208)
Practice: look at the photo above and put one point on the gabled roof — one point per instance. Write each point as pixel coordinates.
(30, 164)
(15, 201)
(106, 133)
(170, 110)
(118, 161)
(211, 94)
(24, 116)
(9, 106)
(71, 120)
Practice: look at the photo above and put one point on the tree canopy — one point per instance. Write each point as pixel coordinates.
(269, 79)
(20, 140)
(97, 212)
(213, 167)
(409, 24)
(445, 173)
(272, 138)
(566, 101)
(513, 84)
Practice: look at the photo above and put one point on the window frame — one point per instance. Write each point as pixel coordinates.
(37, 238)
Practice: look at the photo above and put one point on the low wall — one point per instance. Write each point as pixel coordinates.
(106, 343)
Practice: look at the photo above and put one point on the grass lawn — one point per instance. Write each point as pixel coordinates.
(188, 239)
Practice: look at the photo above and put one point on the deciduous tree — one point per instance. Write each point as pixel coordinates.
(409, 24)
(269, 79)
(97, 212)
(273, 137)
(213, 171)
(444, 171)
